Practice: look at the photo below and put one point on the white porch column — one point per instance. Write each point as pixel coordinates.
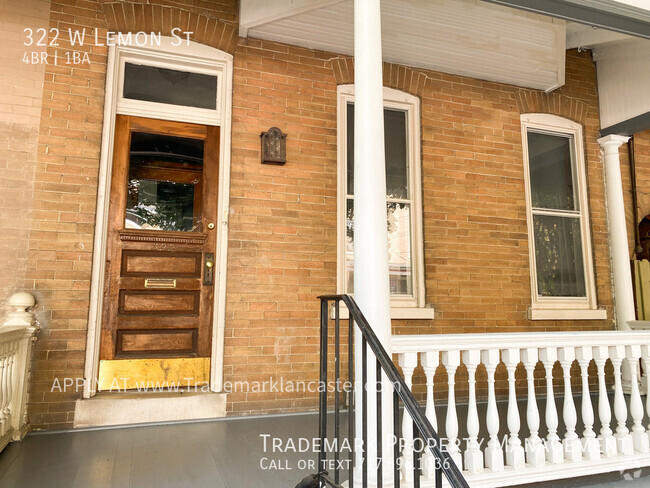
(371, 285)
(623, 294)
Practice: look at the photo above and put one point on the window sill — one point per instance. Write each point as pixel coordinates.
(396, 313)
(566, 314)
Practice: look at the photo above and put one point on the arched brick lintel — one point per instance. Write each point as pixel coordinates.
(531, 101)
(395, 76)
(134, 17)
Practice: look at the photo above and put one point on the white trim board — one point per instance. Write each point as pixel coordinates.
(193, 57)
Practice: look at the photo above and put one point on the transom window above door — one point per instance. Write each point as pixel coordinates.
(164, 85)
(403, 199)
(168, 87)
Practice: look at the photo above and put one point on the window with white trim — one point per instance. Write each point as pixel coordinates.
(403, 199)
(562, 277)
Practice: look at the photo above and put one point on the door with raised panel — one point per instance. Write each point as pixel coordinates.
(159, 286)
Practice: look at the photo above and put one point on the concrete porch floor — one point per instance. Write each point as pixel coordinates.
(218, 454)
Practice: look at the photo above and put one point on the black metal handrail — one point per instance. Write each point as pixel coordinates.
(444, 464)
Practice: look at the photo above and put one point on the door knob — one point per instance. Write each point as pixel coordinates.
(208, 272)
(211, 226)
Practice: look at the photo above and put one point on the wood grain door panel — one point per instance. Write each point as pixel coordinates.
(154, 303)
(156, 343)
(149, 264)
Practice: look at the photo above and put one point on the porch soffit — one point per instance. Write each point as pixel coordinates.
(631, 17)
(464, 37)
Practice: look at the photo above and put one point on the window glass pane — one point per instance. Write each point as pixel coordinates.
(399, 248)
(551, 172)
(350, 148)
(396, 152)
(349, 245)
(164, 183)
(558, 256)
(162, 85)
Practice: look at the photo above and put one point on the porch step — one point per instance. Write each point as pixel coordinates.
(119, 408)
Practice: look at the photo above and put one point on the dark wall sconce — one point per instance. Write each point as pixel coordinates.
(274, 146)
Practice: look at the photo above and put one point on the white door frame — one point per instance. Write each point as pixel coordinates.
(188, 56)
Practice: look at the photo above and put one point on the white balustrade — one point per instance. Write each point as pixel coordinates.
(473, 454)
(535, 453)
(554, 453)
(451, 361)
(493, 451)
(514, 449)
(590, 445)
(606, 437)
(645, 354)
(430, 362)
(16, 336)
(407, 362)
(571, 442)
(624, 443)
(534, 458)
(639, 435)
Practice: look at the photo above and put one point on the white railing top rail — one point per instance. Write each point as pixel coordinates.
(11, 332)
(518, 340)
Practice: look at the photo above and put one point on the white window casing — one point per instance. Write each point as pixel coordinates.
(561, 307)
(411, 306)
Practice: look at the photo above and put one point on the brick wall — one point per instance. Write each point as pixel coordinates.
(282, 251)
(282, 248)
(21, 89)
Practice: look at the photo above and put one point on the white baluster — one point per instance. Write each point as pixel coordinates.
(514, 450)
(639, 435)
(645, 357)
(6, 388)
(624, 442)
(554, 453)
(590, 445)
(10, 385)
(473, 454)
(4, 422)
(451, 360)
(571, 442)
(535, 452)
(408, 362)
(607, 440)
(430, 361)
(493, 451)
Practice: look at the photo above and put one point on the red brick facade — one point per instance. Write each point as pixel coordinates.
(282, 242)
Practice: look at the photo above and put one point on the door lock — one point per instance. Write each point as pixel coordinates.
(208, 271)
(211, 225)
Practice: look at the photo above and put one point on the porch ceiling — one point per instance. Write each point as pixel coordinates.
(465, 37)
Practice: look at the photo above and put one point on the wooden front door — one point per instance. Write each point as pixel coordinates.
(158, 296)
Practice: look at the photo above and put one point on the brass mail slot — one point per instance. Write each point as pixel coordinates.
(159, 283)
